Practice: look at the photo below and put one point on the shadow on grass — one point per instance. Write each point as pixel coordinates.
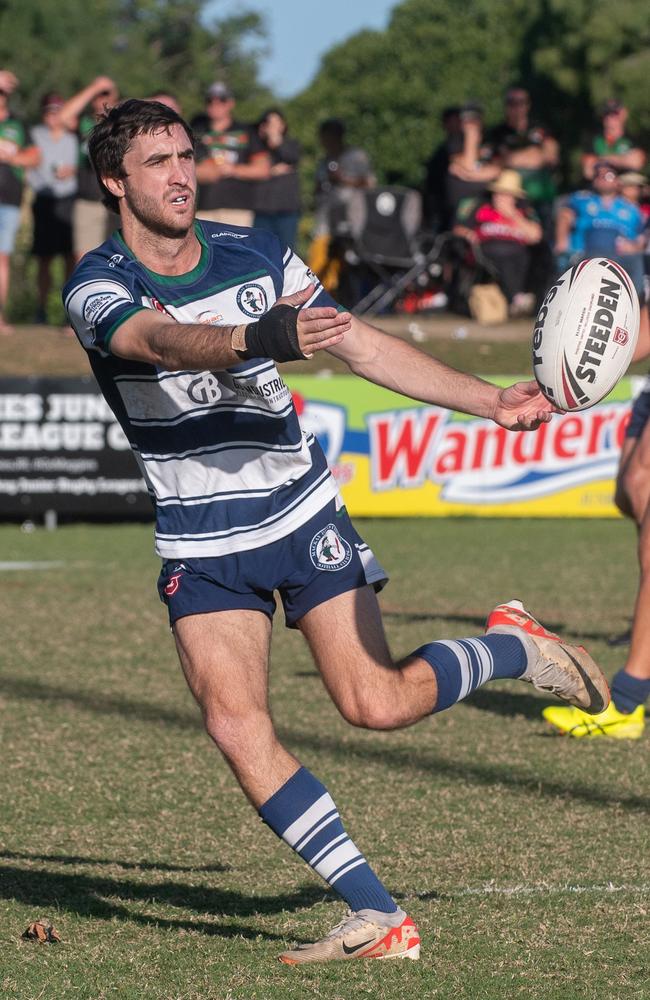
(506, 703)
(144, 866)
(477, 772)
(99, 898)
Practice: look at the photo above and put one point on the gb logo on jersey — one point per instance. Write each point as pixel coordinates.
(204, 389)
(252, 300)
(328, 550)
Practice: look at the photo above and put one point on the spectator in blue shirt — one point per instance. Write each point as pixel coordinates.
(602, 223)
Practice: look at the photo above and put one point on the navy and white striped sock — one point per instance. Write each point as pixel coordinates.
(462, 665)
(304, 815)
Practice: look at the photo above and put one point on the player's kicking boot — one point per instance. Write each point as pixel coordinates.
(611, 723)
(554, 666)
(364, 934)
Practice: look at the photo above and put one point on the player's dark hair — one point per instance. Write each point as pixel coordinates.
(115, 131)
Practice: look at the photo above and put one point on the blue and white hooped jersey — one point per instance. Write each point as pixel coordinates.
(222, 452)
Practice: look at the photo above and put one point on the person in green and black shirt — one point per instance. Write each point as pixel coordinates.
(231, 158)
(612, 144)
(15, 155)
(92, 222)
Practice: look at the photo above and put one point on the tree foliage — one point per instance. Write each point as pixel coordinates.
(145, 45)
(391, 86)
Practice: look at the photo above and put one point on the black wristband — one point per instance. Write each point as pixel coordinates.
(274, 335)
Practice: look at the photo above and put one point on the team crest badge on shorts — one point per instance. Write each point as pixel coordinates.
(328, 550)
(252, 300)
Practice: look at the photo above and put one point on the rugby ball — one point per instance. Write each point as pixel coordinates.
(585, 333)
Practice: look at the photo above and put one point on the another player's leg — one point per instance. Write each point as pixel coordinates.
(624, 717)
(224, 656)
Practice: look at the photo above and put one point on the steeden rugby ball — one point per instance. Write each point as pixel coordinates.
(585, 333)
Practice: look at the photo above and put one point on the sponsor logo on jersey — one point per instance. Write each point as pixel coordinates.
(204, 389)
(328, 550)
(235, 236)
(95, 304)
(213, 319)
(116, 259)
(252, 300)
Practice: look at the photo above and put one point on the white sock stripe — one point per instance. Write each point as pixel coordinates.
(355, 864)
(330, 818)
(328, 847)
(337, 859)
(486, 664)
(464, 663)
(322, 807)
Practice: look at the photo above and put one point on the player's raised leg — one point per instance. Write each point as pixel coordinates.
(372, 691)
(224, 656)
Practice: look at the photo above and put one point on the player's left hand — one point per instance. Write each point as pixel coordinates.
(522, 407)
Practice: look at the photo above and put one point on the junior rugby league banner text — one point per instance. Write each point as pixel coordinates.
(395, 458)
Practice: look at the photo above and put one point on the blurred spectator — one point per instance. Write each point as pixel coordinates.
(612, 143)
(15, 155)
(342, 170)
(470, 170)
(528, 148)
(278, 198)
(505, 226)
(92, 222)
(169, 100)
(54, 183)
(631, 186)
(232, 159)
(435, 208)
(602, 222)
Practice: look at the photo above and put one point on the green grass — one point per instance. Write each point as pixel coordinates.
(122, 825)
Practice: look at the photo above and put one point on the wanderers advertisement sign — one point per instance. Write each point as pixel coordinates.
(61, 449)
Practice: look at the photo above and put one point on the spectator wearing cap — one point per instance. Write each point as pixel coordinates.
(612, 143)
(520, 144)
(601, 222)
(54, 183)
(230, 161)
(92, 222)
(16, 154)
(278, 197)
(504, 226)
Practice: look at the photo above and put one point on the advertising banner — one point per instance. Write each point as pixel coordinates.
(396, 458)
(61, 449)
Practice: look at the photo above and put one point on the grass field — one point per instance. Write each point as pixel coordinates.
(522, 856)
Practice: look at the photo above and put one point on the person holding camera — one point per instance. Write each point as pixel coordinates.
(470, 170)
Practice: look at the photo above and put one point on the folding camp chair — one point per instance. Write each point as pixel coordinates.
(386, 241)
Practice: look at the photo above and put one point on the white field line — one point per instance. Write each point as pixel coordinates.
(30, 565)
(539, 890)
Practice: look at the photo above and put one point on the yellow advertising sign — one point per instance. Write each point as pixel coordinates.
(396, 458)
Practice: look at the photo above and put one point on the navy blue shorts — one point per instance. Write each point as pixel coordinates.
(323, 558)
(640, 412)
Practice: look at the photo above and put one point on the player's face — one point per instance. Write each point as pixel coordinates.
(160, 186)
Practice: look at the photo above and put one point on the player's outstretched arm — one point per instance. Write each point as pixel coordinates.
(397, 365)
(284, 334)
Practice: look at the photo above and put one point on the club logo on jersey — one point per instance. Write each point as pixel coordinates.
(204, 389)
(329, 550)
(252, 300)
